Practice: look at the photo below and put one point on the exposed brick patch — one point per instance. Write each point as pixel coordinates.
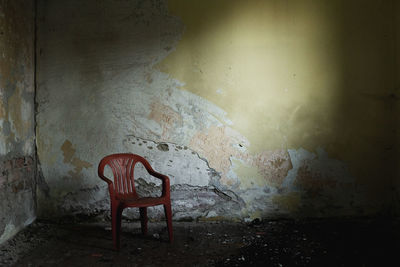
(17, 173)
(18, 162)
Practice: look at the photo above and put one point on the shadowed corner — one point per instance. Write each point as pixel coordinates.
(365, 121)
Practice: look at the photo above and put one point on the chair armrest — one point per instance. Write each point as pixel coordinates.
(108, 181)
(110, 185)
(165, 182)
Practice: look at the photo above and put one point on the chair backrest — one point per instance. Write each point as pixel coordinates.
(122, 166)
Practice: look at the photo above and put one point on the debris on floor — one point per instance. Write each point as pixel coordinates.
(334, 242)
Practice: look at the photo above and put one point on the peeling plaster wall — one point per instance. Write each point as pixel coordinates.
(253, 108)
(17, 167)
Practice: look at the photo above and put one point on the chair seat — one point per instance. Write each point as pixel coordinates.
(141, 201)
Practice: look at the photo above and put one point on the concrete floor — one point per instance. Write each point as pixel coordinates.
(335, 242)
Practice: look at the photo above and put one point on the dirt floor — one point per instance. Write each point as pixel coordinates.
(335, 242)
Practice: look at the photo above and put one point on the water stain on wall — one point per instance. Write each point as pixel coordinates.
(69, 157)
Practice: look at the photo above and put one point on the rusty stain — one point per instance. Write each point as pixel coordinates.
(273, 165)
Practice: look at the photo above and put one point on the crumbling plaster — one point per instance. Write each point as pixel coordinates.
(17, 135)
(253, 108)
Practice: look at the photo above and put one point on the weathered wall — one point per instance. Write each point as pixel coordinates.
(253, 108)
(396, 98)
(17, 168)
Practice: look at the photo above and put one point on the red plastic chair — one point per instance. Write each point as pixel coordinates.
(123, 193)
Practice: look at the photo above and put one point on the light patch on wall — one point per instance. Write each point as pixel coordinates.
(293, 76)
(249, 175)
(257, 50)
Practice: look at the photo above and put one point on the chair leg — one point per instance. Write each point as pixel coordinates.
(116, 216)
(114, 225)
(168, 216)
(119, 220)
(143, 219)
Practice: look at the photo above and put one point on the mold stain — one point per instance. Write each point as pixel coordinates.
(68, 153)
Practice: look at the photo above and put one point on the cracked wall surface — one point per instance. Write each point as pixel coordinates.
(252, 108)
(17, 150)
